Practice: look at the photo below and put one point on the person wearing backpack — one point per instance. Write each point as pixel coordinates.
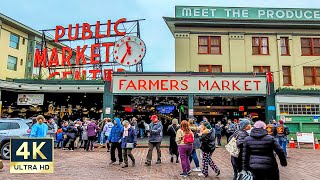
(208, 145)
(173, 147)
(185, 139)
(196, 145)
(281, 134)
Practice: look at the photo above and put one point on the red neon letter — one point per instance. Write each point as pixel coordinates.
(108, 28)
(246, 85)
(98, 35)
(108, 74)
(53, 74)
(225, 84)
(66, 58)
(107, 45)
(94, 73)
(93, 54)
(185, 84)
(80, 55)
(86, 29)
(78, 76)
(40, 58)
(116, 27)
(76, 34)
(54, 61)
(57, 34)
(121, 83)
(64, 74)
(257, 84)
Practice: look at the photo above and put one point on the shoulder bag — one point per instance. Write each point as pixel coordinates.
(232, 147)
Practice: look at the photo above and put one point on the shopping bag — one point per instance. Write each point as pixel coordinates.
(1, 164)
(244, 175)
(232, 148)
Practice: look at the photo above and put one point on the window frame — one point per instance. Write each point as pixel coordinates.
(314, 76)
(299, 109)
(211, 67)
(209, 45)
(286, 46)
(261, 68)
(289, 76)
(16, 64)
(260, 46)
(311, 46)
(12, 34)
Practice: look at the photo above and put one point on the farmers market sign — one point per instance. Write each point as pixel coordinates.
(247, 13)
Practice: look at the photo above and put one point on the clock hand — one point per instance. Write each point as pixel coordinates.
(128, 48)
(122, 60)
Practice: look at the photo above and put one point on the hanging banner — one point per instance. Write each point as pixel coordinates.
(30, 99)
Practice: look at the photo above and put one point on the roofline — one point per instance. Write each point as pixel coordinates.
(246, 7)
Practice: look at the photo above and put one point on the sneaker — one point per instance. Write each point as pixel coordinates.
(108, 150)
(189, 172)
(202, 175)
(111, 162)
(184, 175)
(120, 163)
(125, 166)
(133, 163)
(171, 159)
(148, 163)
(177, 161)
(70, 150)
(218, 173)
(64, 149)
(158, 162)
(197, 169)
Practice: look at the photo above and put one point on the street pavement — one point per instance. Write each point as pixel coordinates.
(303, 164)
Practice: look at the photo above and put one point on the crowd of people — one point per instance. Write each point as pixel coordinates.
(258, 144)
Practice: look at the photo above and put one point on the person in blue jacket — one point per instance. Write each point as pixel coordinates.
(115, 140)
(129, 137)
(40, 129)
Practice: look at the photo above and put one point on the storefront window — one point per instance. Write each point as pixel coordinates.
(299, 109)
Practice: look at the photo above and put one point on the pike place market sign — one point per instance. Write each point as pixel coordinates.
(148, 84)
(246, 13)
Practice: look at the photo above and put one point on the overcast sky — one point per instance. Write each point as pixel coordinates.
(46, 14)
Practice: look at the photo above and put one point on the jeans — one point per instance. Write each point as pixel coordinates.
(108, 144)
(151, 147)
(184, 152)
(114, 146)
(219, 139)
(194, 157)
(206, 161)
(141, 132)
(90, 143)
(283, 143)
(125, 153)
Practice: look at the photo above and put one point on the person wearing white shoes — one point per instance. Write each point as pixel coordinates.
(196, 145)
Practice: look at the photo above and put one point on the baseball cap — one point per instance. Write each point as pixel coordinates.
(153, 117)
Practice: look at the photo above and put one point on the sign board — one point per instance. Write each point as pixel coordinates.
(305, 138)
(315, 119)
(154, 84)
(255, 13)
(31, 155)
(271, 108)
(108, 110)
(191, 112)
(30, 99)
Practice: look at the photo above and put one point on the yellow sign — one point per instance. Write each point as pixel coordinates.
(31, 155)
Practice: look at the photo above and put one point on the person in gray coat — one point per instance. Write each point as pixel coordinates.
(155, 139)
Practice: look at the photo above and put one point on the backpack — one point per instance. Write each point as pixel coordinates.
(188, 138)
(270, 129)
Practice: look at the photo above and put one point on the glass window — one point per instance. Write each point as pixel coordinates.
(14, 41)
(311, 75)
(210, 68)
(214, 47)
(14, 125)
(260, 46)
(4, 125)
(286, 70)
(284, 42)
(299, 109)
(310, 46)
(261, 69)
(12, 63)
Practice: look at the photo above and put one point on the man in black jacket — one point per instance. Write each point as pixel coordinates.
(258, 154)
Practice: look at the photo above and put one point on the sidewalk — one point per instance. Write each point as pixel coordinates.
(302, 164)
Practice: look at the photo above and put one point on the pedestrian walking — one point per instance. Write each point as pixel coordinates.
(230, 129)
(106, 131)
(208, 145)
(141, 128)
(155, 139)
(173, 147)
(92, 130)
(185, 139)
(129, 142)
(70, 137)
(196, 145)
(115, 140)
(84, 135)
(39, 130)
(281, 134)
(218, 129)
(258, 154)
(240, 135)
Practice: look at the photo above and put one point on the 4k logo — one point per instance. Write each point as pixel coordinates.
(23, 150)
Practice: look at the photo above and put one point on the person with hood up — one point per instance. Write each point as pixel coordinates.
(240, 135)
(115, 139)
(173, 147)
(258, 154)
(128, 136)
(281, 134)
(71, 136)
(155, 139)
(208, 145)
(92, 130)
(39, 130)
(106, 131)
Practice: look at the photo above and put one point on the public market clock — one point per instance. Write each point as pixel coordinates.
(129, 50)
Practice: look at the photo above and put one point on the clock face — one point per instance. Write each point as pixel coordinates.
(129, 50)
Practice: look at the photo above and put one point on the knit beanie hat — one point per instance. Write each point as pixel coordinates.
(281, 121)
(260, 124)
(244, 123)
(206, 124)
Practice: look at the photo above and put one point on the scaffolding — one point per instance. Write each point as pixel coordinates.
(131, 27)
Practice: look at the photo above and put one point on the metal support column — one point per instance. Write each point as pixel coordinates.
(190, 106)
(107, 101)
(270, 104)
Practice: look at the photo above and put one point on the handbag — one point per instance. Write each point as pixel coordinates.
(244, 175)
(130, 145)
(1, 164)
(232, 147)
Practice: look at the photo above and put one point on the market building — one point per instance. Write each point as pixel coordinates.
(278, 40)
